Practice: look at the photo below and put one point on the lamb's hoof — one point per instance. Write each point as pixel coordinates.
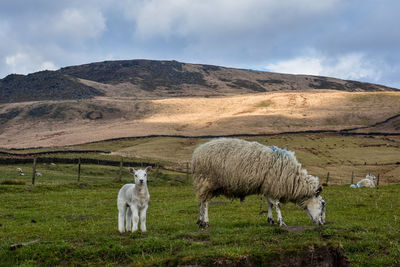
(282, 224)
(270, 221)
(203, 224)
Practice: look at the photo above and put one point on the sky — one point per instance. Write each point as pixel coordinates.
(348, 39)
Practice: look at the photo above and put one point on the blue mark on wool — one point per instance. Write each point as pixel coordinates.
(279, 151)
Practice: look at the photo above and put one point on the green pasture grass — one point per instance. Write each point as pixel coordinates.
(77, 225)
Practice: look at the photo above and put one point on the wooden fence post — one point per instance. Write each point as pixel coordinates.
(34, 171)
(352, 177)
(327, 179)
(187, 171)
(79, 169)
(121, 163)
(377, 182)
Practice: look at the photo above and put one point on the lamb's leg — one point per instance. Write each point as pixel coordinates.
(128, 223)
(270, 219)
(135, 219)
(143, 219)
(278, 211)
(121, 217)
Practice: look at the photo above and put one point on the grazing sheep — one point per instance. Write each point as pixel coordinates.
(368, 181)
(133, 198)
(38, 174)
(236, 168)
(20, 171)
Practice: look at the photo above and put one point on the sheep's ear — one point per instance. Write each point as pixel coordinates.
(132, 170)
(148, 168)
(318, 192)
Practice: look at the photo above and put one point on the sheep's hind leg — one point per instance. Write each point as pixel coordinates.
(270, 219)
(278, 211)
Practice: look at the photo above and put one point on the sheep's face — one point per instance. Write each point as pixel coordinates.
(315, 209)
(370, 176)
(140, 175)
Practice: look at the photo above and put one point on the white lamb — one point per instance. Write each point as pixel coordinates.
(368, 181)
(132, 199)
(236, 168)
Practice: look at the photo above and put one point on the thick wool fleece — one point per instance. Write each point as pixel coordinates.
(237, 168)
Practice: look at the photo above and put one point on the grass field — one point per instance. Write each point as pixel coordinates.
(76, 224)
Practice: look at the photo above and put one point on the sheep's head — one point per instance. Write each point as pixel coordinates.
(370, 176)
(315, 207)
(140, 175)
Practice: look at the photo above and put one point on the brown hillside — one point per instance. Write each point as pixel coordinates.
(56, 123)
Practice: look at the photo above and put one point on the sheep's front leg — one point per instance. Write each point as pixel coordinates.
(203, 215)
(121, 218)
(128, 221)
(135, 218)
(143, 218)
(270, 218)
(278, 211)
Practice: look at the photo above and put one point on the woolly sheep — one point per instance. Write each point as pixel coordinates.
(132, 199)
(236, 168)
(368, 181)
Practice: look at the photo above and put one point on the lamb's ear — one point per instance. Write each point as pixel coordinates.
(148, 168)
(132, 170)
(318, 192)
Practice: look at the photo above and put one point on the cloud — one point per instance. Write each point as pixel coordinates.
(350, 67)
(24, 63)
(79, 24)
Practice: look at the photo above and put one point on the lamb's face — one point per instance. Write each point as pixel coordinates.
(315, 209)
(140, 175)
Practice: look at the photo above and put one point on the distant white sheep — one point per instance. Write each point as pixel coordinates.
(20, 171)
(132, 199)
(236, 168)
(368, 181)
(38, 174)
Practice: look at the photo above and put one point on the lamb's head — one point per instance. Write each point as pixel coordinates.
(140, 175)
(315, 207)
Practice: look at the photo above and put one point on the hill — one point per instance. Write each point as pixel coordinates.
(152, 79)
(120, 99)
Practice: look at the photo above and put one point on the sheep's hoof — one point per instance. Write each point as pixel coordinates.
(282, 224)
(203, 224)
(270, 221)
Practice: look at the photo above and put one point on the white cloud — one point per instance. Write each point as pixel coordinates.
(354, 66)
(24, 63)
(79, 24)
(48, 65)
(299, 65)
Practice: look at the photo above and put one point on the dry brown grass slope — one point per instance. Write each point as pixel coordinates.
(59, 123)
